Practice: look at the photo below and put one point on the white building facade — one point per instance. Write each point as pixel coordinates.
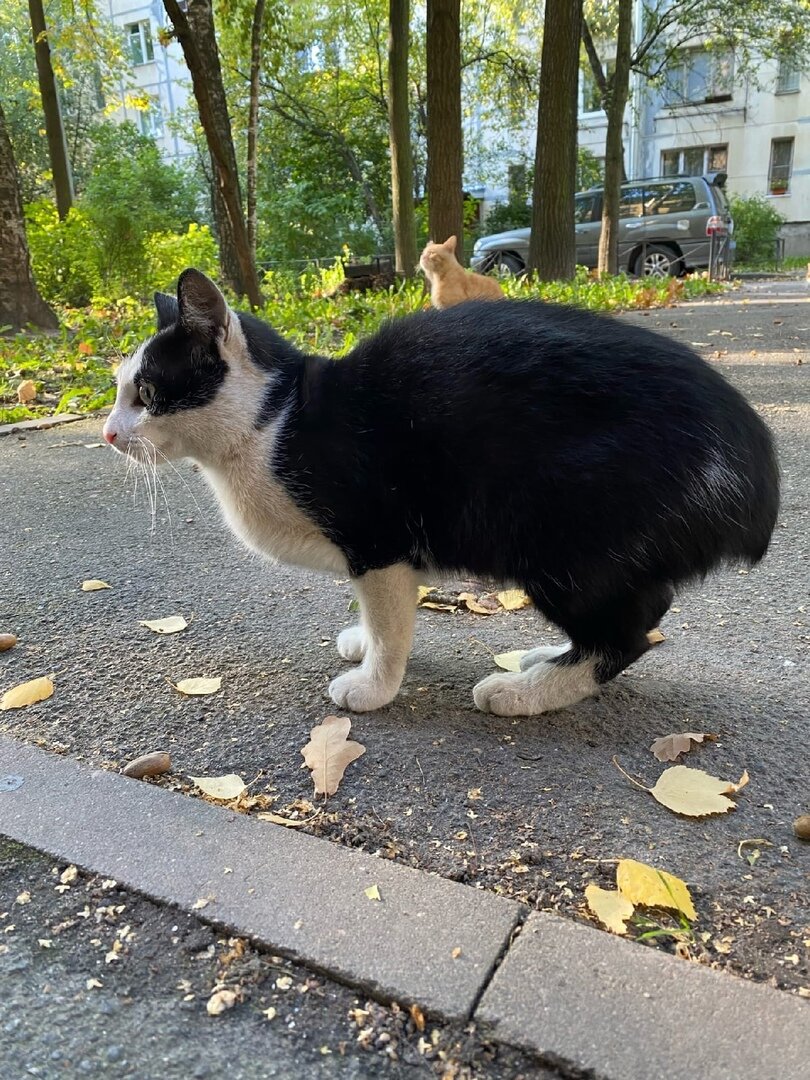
(155, 96)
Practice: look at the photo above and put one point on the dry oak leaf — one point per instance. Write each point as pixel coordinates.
(198, 687)
(670, 747)
(27, 693)
(510, 661)
(691, 792)
(645, 885)
(610, 907)
(328, 752)
(171, 625)
(223, 788)
(513, 599)
(93, 585)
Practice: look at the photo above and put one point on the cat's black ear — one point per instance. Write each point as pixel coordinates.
(202, 306)
(168, 310)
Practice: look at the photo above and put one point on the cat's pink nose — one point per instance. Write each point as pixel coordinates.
(111, 436)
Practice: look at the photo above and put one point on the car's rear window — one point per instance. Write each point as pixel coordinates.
(675, 197)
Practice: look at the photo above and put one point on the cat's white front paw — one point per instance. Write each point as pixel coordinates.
(357, 691)
(543, 687)
(352, 643)
(501, 694)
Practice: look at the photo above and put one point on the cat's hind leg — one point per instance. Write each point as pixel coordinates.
(388, 613)
(352, 643)
(604, 641)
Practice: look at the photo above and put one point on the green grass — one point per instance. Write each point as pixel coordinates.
(74, 369)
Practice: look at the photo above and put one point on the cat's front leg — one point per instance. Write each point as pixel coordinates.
(383, 640)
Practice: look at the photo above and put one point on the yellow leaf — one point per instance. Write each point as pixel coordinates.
(670, 747)
(643, 884)
(171, 625)
(220, 1002)
(328, 752)
(373, 892)
(694, 792)
(198, 687)
(27, 693)
(439, 607)
(93, 585)
(424, 590)
(655, 637)
(225, 788)
(610, 907)
(290, 823)
(510, 661)
(513, 599)
(474, 604)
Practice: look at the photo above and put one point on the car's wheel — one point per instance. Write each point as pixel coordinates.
(655, 261)
(505, 263)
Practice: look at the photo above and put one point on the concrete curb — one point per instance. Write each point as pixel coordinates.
(42, 423)
(571, 994)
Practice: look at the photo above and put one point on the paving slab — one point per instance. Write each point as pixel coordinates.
(298, 895)
(583, 998)
(41, 423)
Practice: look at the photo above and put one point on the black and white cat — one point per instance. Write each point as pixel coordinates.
(595, 464)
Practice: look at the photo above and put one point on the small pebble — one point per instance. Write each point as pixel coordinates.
(7, 641)
(801, 826)
(149, 765)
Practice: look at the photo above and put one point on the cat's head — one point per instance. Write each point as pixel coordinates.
(438, 257)
(182, 393)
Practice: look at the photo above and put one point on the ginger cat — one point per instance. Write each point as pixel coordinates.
(450, 283)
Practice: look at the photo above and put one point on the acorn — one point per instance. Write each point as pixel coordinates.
(801, 827)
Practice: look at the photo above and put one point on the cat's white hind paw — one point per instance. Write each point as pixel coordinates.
(543, 652)
(543, 687)
(357, 691)
(352, 643)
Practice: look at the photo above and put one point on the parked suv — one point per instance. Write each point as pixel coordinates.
(662, 228)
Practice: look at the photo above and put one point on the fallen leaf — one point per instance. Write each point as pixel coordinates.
(456, 953)
(23, 898)
(417, 1016)
(284, 982)
(439, 607)
(224, 788)
(27, 693)
(220, 1002)
(85, 348)
(669, 747)
(203, 901)
(69, 875)
(26, 392)
(610, 907)
(373, 892)
(695, 793)
(513, 599)
(93, 585)
(650, 887)
(328, 753)
(655, 637)
(478, 604)
(269, 1013)
(198, 687)
(94, 984)
(171, 625)
(7, 641)
(46, 943)
(510, 661)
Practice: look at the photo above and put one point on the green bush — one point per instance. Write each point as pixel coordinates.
(64, 254)
(756, 227)
(168, 254)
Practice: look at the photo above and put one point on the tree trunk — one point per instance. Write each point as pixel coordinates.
(552, 252)
(399, 137)
(444, 150)
(20, 302)
(54, 128)
(194, 28)
(618, 90)
(253, 123)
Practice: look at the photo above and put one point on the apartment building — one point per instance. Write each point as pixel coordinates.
(157, 78)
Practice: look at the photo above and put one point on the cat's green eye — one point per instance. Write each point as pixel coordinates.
(146, 392)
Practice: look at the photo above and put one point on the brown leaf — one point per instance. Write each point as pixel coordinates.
(481, 605)
(670, 747)
(417, 1016)
(513, 599)
(26, 392)
(328, 752)
(655, 637)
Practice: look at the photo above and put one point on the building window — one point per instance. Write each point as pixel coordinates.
(150, 120)
(781, 166)
(694, 161)
(699, 76)
(787, 77)
(139, 36)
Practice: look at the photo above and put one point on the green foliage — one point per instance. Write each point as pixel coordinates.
(756, 227)
(515, 214)
(64, 254)
(75, 367)
(168, 254)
